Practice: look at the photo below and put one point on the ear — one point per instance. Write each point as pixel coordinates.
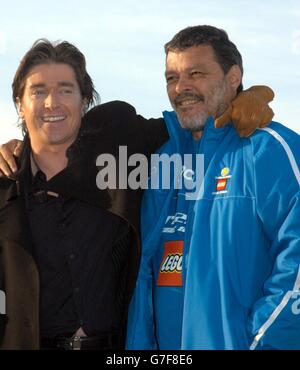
(234, 76)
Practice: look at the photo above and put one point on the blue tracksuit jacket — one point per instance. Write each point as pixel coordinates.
(241, 275)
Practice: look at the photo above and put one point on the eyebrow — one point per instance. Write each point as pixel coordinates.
(60, 84)
(201, 66)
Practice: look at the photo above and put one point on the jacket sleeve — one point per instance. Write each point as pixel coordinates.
(122, 121)
(275, 319)
(140, 326)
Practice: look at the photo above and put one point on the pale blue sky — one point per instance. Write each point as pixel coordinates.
(123, 43)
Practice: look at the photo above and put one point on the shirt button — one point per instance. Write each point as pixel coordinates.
(72, 256)
(76, 290)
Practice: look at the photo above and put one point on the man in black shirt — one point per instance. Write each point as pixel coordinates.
(75, 277)
(69, 251)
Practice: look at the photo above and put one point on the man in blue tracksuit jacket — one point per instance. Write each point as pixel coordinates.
(219, 270)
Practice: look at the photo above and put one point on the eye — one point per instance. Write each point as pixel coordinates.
(66, 91)
(197, 73)
(170, 78)
(38, 93)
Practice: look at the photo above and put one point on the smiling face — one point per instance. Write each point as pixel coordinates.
(51, 106)
(197, 86)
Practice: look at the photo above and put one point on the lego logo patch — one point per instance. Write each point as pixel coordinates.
(170, 271)
(221, 184)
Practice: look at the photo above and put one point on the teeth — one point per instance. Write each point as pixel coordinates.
(188, 102)
(53, 118)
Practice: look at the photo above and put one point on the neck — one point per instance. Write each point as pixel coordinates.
(197, 135)
(50, 160)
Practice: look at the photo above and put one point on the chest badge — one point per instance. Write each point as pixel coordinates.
(222, 181)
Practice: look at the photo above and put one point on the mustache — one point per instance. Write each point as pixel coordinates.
(184, 96)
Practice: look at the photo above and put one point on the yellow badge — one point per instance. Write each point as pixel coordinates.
(225, 171)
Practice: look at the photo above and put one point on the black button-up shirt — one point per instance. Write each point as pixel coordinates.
(81, 252)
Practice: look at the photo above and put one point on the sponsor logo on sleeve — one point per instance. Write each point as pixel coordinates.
(175, 223)
(170, 271)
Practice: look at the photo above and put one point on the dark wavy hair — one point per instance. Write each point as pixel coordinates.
(226, 52)
(43, 52)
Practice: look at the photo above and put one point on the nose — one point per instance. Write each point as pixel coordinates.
(183, 85)
(52, 101)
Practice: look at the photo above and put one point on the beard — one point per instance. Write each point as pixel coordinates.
(215, 103)
(194, 123)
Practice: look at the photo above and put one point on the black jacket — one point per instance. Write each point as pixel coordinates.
(103, 130)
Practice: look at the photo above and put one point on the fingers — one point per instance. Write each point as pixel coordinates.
(18, 149)
(224, 118)
(250, 109)
(264, 92)
(7, 160)
(262, 119)
(4, 167)
(267, 117)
